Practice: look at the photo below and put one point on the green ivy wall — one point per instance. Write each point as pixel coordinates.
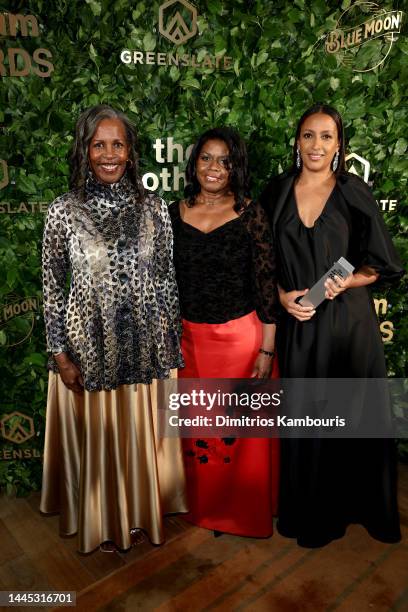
(279, 67)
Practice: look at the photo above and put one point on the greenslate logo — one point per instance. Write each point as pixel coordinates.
(359, 166)
(4, 180)
(17, 427)
(178, 24)
(174, 16)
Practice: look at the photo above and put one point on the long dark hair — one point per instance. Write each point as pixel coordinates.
(335, 115)
(84, 131)
(238, 165)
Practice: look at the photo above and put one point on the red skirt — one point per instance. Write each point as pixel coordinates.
(234, 489)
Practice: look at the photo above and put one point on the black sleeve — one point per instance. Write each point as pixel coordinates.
(263, 263)
(376, 248)
(174, 211)
(268, 197)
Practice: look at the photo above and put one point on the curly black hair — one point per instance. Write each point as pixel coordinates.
(335, 115)
(84, 131)
(237, 160)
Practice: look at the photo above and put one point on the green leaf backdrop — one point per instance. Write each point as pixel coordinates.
(279, 68)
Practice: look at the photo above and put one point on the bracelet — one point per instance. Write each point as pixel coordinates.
(268, 353)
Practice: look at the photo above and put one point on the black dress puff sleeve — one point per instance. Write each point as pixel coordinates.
(376, 248)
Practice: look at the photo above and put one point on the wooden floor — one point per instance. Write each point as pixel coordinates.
(34, 556)
(193, 571)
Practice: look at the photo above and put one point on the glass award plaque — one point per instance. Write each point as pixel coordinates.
(316, 295)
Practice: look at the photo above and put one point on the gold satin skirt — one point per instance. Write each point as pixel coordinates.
(105, 469)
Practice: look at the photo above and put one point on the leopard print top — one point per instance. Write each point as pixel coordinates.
(119, 319)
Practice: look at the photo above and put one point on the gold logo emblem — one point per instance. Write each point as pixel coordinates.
(17, 427)
(174, 17)
(17, 318)
(4, 180)
(364, 35)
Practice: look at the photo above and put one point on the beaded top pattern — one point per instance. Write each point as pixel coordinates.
(119, 320)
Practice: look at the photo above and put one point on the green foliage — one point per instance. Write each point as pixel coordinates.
(279, 68)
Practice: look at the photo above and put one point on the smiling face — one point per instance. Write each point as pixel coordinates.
(212, 166)
(108, 151)
(318, 142)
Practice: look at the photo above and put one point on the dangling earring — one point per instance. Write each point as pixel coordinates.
(129, 161)
(298, 159)
(335, 161)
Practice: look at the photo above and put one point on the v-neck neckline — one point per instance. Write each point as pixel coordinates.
(219, 227)
(319, 216)
(211, 231)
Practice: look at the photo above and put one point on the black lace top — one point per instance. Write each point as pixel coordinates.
(228, 272)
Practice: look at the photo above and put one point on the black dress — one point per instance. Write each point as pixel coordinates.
(228, 272)
(327, 484)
